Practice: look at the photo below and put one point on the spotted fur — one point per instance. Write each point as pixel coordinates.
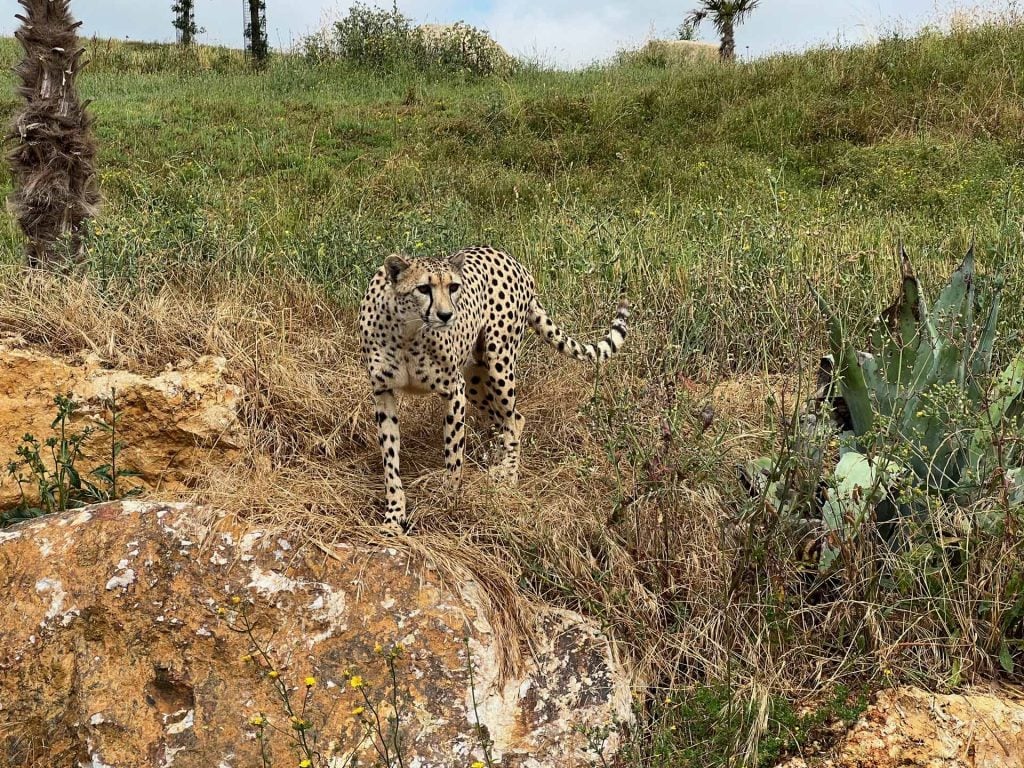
(453, 327)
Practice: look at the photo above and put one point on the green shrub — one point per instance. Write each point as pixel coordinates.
(387, 39)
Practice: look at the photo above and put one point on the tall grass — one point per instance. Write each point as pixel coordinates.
(245, 212)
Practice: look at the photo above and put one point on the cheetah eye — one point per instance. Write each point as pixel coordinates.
(453, 287)
(424, 289)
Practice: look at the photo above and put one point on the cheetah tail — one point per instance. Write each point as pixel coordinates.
(548, 330)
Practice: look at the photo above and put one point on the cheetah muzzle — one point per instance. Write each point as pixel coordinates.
(453, 327)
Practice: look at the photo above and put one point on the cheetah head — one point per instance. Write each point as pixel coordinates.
(426, 290)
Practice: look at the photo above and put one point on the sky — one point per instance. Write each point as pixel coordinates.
(563, 33)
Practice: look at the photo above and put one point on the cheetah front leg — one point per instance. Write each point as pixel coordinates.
(390, 441)
(503, 411)
(455, 431)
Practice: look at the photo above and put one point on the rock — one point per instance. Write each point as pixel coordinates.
(911, 728)
(121, 645)
(676, 52)
(172, 424)
(475, 42)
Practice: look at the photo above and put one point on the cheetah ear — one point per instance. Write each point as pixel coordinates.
(457, 260)
(395, 265)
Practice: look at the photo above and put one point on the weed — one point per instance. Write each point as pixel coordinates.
(48, 472)
(380, 720)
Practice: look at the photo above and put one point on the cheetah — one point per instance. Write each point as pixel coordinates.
(453, 327)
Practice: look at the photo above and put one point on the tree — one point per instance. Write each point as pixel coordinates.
(256, 33)
(185, 21)
(725, 15)
(53, 161)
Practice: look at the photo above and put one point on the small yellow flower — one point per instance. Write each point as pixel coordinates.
(257, 720)
(305, 763)
(356, 681)
(221, 610)
(236, 600)
(272, 674)
(477, 764)
(247, 657)
(310, 681)
(378, 648)
(358, 710)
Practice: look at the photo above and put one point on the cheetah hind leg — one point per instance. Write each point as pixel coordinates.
(478, 393)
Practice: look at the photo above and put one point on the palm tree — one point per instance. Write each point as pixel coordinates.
(53, 161)
(725, 15)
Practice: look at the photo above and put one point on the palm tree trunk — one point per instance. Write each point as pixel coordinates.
(53, 161)
(727, 50)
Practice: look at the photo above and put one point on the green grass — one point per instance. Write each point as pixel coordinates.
(712, 194)
(676, 181)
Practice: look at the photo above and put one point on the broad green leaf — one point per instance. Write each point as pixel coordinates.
(1005, 657)
(896, 332)
(1005, 397)
(982, 358)
(848, 371)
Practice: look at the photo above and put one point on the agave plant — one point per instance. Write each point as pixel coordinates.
(927, 382)
(920, 411)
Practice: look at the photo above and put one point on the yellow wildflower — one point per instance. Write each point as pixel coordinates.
(236, 600)
(356, 681)
(310, 682)
(358, 710)
(257, 720)
(477, 764)
(305, 763)
(272, 674)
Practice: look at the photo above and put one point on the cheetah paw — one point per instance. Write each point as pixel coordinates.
(502, 475)
(392, 528)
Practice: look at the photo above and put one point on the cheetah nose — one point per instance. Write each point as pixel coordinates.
(444, 317)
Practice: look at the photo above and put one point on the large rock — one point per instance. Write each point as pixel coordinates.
(475, 43)
(910, 728)
(676, 52)
(172, 424)
(120, 647)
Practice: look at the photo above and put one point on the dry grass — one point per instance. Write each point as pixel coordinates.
(314, 465)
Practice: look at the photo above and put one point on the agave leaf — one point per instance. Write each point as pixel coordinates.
(949, 306)
(860, 484)
(849, 372)
(896, 332)
(884, 392)
(1015, 478)
(981, 360)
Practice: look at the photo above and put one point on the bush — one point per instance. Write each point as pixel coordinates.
(387, 39)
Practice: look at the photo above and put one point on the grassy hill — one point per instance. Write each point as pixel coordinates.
(674, 180)
(245, 212)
